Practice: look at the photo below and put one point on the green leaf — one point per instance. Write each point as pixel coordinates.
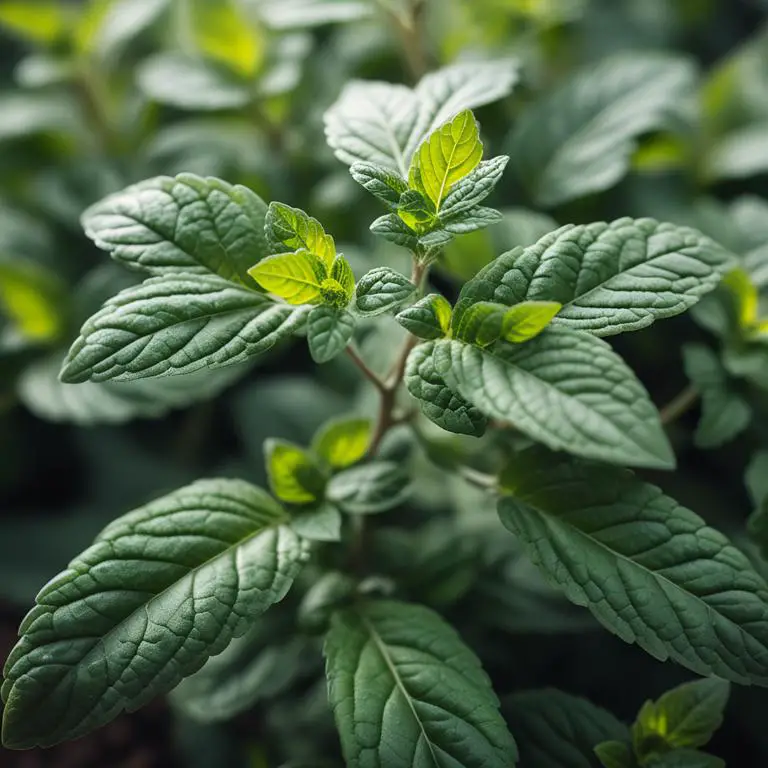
(685, 717)
(649, 570)
(384, 124)
(342, 273)
(292, 228)
(610, 278)
(320, 524)
(437, 401)
(739, 154)
(293, 475)
(328, 332)
(407, 693)
(137, 611)
(369, 488)
(382, 290)
(566, 389)
(486, 322)
(448, 155)
(381, 182)
(42, 22)
(416, 211)
(189, 83)
(330, 591)
(343, 442)
(470, 221)
(580, 138)
(725, 413)
(470, 191)
(756, 477)
(615, 754)
(391, 227)
(429, 318)
(686, 758)
(554, 729)
(744, 296)
(295, 277)
(176, 324)
(182, 224)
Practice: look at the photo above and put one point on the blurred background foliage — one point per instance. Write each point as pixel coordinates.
(100, 94)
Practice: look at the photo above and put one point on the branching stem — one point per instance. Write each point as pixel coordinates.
(679, 405)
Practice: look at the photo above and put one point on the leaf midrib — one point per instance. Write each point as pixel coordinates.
(381, 647)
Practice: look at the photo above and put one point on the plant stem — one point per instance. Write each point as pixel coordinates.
(410, 29)
(477, 478)
(679, 404)
(354, 355)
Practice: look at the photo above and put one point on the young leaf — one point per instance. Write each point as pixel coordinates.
(384, 124)
(554, 729)
(342, 273)
(182, 224)
(343, 442)
(177, 324)
(295, 277)
(381, 290)
(470, 191)
(381, 182)
(392, 227)
(369, 488)
(615, 754)
(407, 693)
(607, 538)
(162, 589)
(724, 412)
(292, 228)
(437, 401)
(416, 211)
(566, 389)
(745, 296)
(486, 322)
(446, 156)
(328, 332)
(580, 138)
(685, 717)
(610, 278)
(293, 475)
(429, 318)
(320, 524)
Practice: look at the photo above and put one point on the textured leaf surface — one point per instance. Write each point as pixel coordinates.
(381, 123)
(724, 412)
(370, 488)
(182, 224)
(343, 442)
(650, 570)
(177, 324)
(328, 332)
(392, 227)
(428, 318)
(554, 729)
(580, 138)
(445, 157)
(486, 322)
(381, 290)
(161, 590)
(383, 183)
(407, 693)
(437, 401)
(473, 188)
(610, 278)
(291, 228)
(565, 389)
(470, 221)
(296, 277)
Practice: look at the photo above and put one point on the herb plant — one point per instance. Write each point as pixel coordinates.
(339, 577)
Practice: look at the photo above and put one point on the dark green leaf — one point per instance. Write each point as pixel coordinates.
(381, 182)
(429, 318)
(321, 524)
(369, 488)
(328, 332)
(382, 290)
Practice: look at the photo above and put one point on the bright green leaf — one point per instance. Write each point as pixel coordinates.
(44, 21)
(295, 277)
(437, 401)
(209, 558)
(177, 323)
(471, 190)
(399, 669)
(369, 488)
(343, 442)
(32, 299)
(293, 475)
(342, 273)
(446, 156)
(724, 412)
(649, 570)
(486, 322)
(382, 290)
(416, 211)
(182, 224)
(429, 318)
(744, 293)
(554, 729)
(328, 332)
(320, 524)
(291, 227)
(566, 389)
(381, 182)
(580, 138)
(609, 277)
